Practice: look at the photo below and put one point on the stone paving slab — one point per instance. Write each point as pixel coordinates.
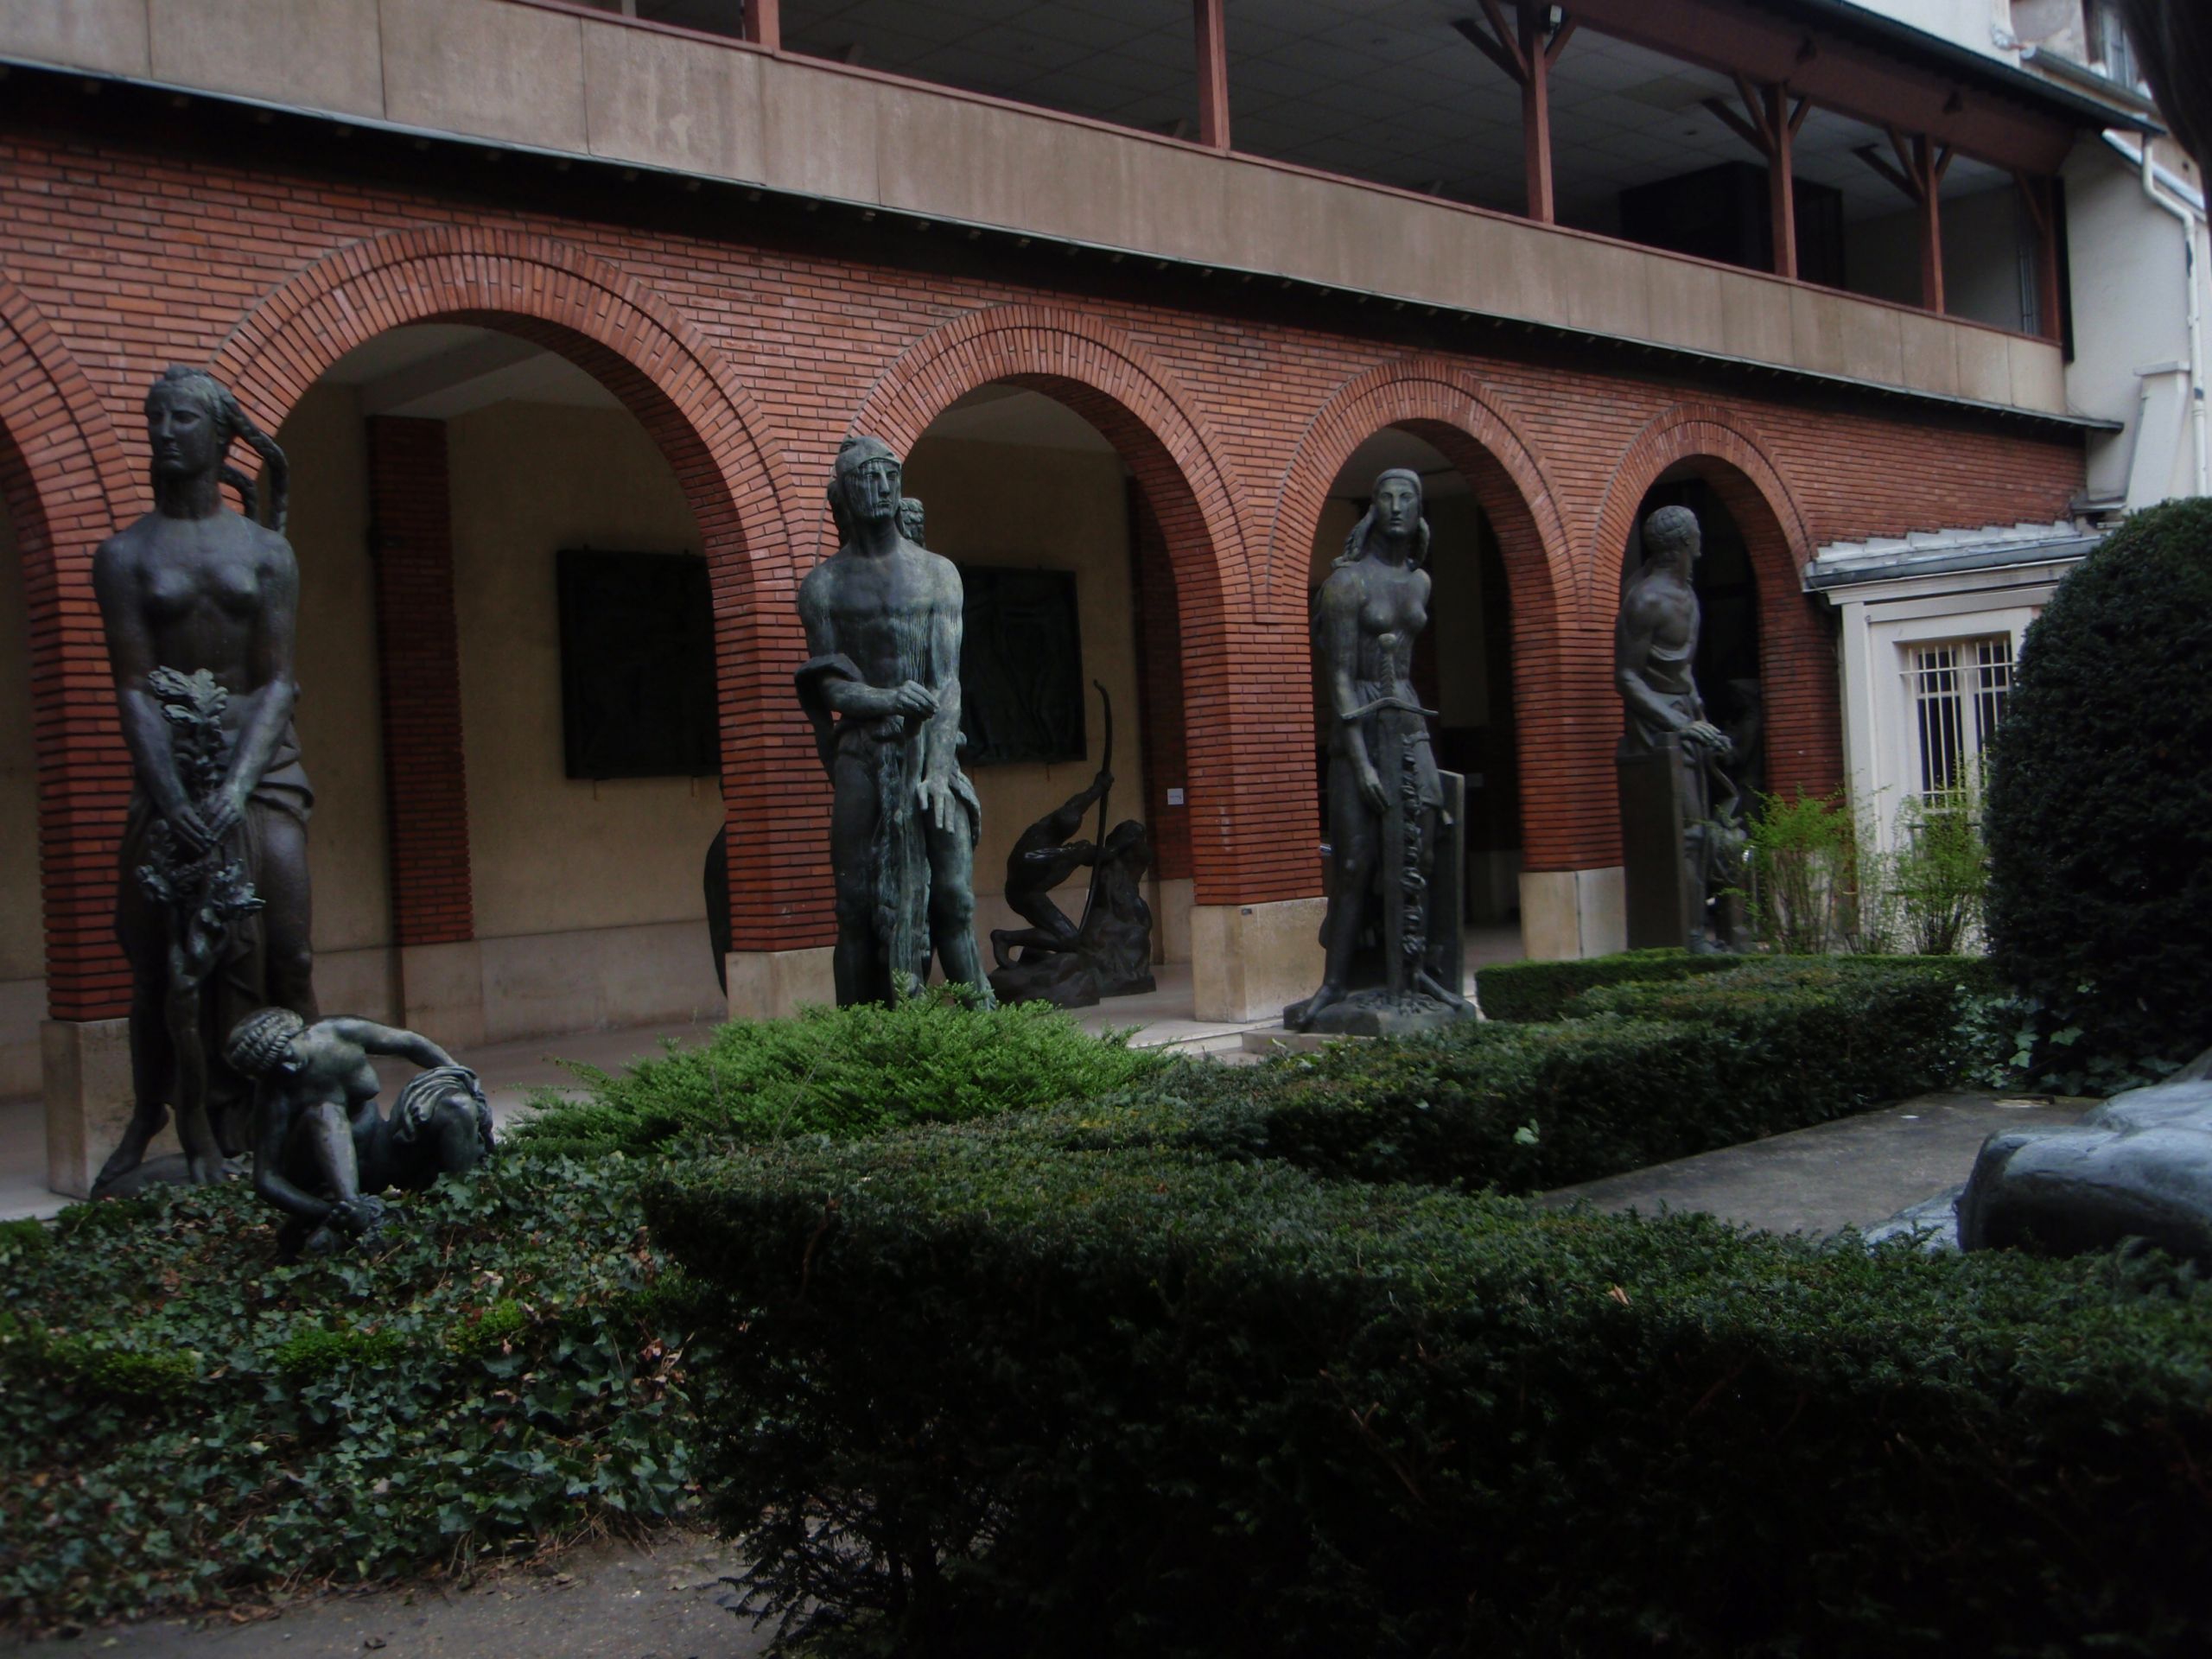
(1857, 1171)
(606, 1601)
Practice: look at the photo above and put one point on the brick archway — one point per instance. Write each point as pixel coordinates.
(62, 474)
(1236, 673)
(1797, 663)
(713, 434)
(1557, 687)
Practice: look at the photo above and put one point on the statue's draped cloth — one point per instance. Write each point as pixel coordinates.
(884, 757)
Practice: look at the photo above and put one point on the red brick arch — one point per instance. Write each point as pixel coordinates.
(62, 474)
(1244, 771)
(705, 423)
(1797, 661)
(1557, 687)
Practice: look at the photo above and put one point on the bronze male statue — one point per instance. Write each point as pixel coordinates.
(882, 689)
(200, 605)
(1654, 655)
(1387, 809)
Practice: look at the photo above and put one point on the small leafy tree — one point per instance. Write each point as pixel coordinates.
(1804, 867)
(1939, 873)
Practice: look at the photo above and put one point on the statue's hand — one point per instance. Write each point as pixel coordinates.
(912, 697)
(934, 792)
(1372, 790)
(188, 827)
(227, 809)
(358, 1216)
(1706, 735)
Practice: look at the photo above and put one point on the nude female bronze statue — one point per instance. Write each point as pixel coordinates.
(1386, 798)
(882, 690)
(200, 605)
(321, 1151)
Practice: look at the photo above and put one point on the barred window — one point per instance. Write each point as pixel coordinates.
(1957, 689)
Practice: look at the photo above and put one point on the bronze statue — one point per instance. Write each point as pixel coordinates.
(1108, 952)
(322, 1152)
(882, 689)
(1387, 799)
(200, 605)
(1654, 655)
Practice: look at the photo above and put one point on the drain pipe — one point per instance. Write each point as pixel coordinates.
(2169, 195)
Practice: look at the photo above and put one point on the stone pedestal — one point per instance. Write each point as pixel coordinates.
(1566, 915)
(1249, 960)
(88, 1100)
(776, 984)
(1661, 904)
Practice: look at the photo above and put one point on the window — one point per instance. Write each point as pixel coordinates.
(1957, 690)
(2109, 48)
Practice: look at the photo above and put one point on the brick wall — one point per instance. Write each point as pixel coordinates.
(418, 681)
(747, 364)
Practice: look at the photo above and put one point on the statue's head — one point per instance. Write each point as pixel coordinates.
(1671, 537)
(191, 421)
(1393, 518)
(912, 520)
(260, 1045)
(865, 488)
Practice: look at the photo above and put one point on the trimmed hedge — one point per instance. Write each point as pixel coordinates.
(1765, 1047)
(1530, 991)
(2099, 815)
(843, 1072)
(999, 1398)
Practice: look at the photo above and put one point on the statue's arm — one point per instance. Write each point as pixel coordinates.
(1336, 628)
(390, 1040)
(1634, 635)
(131, 659)
(267, 708)
(272, 1125)
(942, 756)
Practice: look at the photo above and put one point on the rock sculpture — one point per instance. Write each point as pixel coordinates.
(1678, 805)
(1386, 801)
(200, 605)
(882, 690)
(321, 1151)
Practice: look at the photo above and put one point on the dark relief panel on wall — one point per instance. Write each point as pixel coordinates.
(637, 665)
(1021, 685)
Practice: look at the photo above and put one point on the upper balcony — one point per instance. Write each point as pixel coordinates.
(1798, 184)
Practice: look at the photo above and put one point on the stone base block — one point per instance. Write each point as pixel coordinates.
(88, 1100)
(1566, 915)
(1247, 961)
(1171, 905)
(776, 984)
(441, 992)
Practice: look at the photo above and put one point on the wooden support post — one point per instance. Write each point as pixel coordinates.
(1768, 125)
(1918, 172)
(2040, 196)
(1527, 54)
(1214, 74)
(1536, 111)
(764, 24)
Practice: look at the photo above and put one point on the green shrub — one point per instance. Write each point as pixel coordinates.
(1804, 872)
(1000, 1398)
(2099, 806)
(1540, 990)
(182, 1420)
(843, 1072)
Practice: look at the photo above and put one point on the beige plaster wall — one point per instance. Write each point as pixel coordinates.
(547, 855)
(339, 719)
(23, 941)
(994, 504)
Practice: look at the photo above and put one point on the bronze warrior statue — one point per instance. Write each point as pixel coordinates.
(200, 605)
(882, 689)
(1386, 798)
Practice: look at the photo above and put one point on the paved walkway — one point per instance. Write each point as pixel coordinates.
(1857, 1171)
